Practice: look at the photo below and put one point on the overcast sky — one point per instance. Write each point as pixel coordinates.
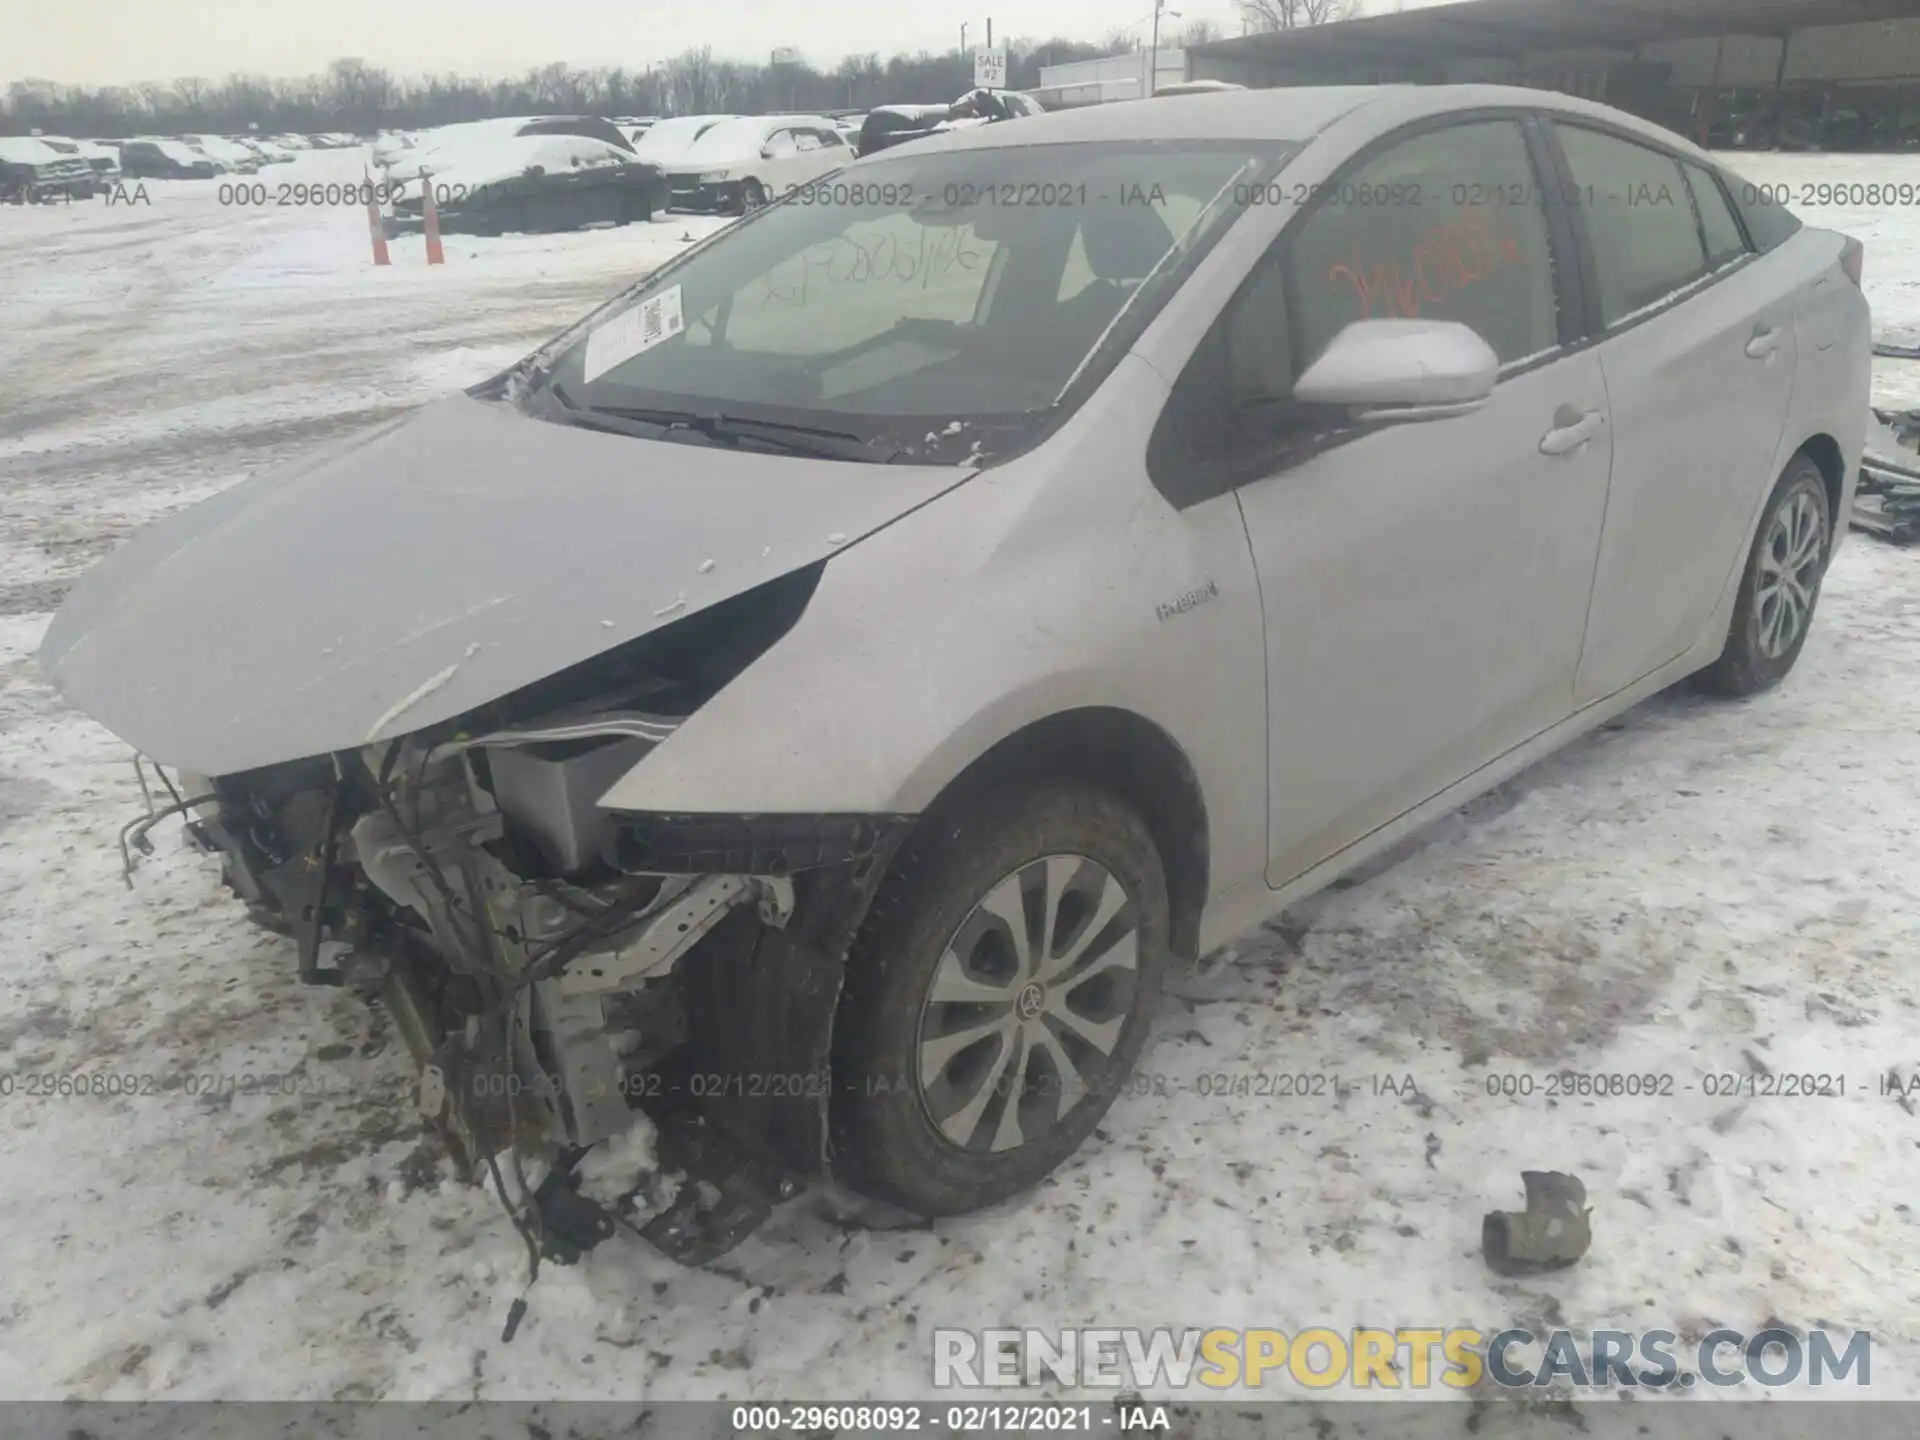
(104, 42)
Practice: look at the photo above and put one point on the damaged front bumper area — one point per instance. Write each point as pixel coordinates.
(554, 967)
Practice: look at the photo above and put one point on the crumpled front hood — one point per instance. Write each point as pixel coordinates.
(439, 562)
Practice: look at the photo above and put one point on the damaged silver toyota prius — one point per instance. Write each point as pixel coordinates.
(812, 700)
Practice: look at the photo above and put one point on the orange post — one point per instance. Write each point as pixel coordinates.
(380, 256)
(431, 215)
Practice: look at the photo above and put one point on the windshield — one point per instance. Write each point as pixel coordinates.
(669, 137)
(729, 137)
(940, 303)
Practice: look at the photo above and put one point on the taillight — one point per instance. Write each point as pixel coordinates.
(1853, 260)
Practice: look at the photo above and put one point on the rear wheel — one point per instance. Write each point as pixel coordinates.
(1781, 585)
(999, 997)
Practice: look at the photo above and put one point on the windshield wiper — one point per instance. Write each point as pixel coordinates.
(732, 429)
(721, 429)
(562, 406)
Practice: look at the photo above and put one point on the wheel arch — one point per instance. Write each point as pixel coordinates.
(1129, 756)
(1825, 452)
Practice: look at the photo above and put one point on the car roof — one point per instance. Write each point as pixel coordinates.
(1293, 115)
(740, 123)
(684, 122)
(28, 149)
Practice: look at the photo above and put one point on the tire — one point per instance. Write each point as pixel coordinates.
(752, 196)
(1772, 616)
(929, 922)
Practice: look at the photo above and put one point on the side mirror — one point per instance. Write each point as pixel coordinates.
(1389, 371)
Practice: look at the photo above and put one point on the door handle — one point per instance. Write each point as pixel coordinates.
(1574, 429)
(1763, 343)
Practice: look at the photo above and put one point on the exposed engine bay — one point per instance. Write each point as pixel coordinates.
(555, 967)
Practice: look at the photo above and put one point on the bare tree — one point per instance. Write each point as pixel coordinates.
(191, 92)
(353, 95)
(1270, 15)
(1200, 32)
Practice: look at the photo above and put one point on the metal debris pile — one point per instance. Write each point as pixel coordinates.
(1888, 502)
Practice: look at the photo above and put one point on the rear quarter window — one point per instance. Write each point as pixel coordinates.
(1765, 214)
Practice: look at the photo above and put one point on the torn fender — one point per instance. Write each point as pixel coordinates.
(760, 1005)
(438, 563)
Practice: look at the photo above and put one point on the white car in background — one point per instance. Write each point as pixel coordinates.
(229, 155)
(265, 151)
(741, 164)
(665, 141)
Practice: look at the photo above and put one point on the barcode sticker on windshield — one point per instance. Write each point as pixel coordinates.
(652, 322)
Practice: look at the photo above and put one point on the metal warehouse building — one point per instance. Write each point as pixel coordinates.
(1807, 74)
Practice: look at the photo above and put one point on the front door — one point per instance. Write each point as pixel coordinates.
(1425, 585)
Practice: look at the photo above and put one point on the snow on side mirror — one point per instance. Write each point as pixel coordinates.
(1403, 370)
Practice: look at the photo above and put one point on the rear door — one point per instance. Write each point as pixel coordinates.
(1698, 347)
(784, 162)
(816, 152)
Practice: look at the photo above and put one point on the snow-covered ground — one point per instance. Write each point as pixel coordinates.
(1701, 888)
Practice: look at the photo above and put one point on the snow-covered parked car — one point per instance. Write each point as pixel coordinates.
(39, 168)
(105, 160)
(265, 151)
(153, 159)
(665, 141)
(891, 125)
(814, 699)
(231, 156)
(390, 146)
(739, 164)
(440, 147)
(531, 183)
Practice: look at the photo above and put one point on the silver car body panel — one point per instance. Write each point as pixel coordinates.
(1057, 581)
(438, 563)
(1011, 618)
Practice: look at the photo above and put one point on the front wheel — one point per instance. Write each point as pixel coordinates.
(1780, 587)
(752, 196)
(998, 997)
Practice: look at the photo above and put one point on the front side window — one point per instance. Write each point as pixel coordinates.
(1448, 225)
(933, 297)
(1646, 241)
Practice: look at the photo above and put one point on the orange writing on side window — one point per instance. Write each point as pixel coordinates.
(1446, 260)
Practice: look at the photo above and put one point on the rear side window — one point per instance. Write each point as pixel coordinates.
(1646, 242)
(1725, 243)
(1447, 225)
